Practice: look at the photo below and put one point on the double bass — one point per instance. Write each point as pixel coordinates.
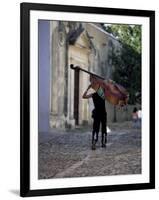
(107, 89)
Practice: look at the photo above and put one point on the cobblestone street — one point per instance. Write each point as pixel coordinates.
(69, 154)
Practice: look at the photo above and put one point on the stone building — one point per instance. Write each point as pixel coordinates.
(86, 45)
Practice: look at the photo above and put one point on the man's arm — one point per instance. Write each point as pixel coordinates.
(85, 95)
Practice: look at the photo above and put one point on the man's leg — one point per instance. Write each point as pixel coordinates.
(96, 140)
(104, 130)
(96, 124)
(93, 140)
(103, 139)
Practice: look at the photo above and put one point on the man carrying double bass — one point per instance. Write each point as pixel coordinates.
(99, 114)
(103, 90)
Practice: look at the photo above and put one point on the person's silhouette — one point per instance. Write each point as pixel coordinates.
(99, 114)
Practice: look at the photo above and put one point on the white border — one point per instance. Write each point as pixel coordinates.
(86, 181)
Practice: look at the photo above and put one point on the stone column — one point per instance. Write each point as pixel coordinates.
(58, 63)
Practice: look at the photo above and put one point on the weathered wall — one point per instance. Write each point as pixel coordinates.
(116, 114)
(58, 74)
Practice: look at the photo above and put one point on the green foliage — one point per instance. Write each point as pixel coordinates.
(127, 61)
(127, 34)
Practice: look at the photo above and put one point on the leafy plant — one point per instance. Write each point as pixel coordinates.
(127, 60)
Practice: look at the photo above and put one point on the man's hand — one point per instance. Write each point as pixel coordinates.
(85, 95)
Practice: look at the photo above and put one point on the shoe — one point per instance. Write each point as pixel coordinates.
(93, 147)
(103, 145)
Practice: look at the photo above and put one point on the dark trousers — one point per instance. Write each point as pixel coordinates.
(99, 120)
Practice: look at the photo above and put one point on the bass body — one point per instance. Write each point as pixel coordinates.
(107, 89)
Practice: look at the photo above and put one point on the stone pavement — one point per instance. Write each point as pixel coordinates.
(69, 154)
